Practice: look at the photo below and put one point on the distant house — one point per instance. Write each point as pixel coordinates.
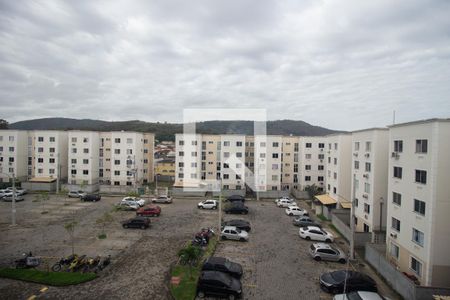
(165, 170)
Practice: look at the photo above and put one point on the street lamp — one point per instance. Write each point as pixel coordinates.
(381, 213)
(13, 202)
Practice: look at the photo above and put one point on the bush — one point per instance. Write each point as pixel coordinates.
(50, 278)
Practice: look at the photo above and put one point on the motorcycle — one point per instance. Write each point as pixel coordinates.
(28, 261)
(65, 261)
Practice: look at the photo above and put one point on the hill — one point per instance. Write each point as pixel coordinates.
(166, 131)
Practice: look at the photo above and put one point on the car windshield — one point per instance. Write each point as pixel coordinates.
(238, 230)
(354, 296)
(338, 276)
(227, 264)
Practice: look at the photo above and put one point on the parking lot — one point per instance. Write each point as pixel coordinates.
(275, 260)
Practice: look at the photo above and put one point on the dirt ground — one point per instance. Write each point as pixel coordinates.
(275, 260)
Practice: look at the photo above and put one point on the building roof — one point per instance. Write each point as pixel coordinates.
(370, 129)
(420, 122)
(346, 204)
(42, 179)
(325, 199)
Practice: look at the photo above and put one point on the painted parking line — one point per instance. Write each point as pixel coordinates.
(250, 285)
(44, 289)
(32, 297)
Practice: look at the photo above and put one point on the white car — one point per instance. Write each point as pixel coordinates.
(296, 211)
(162, 199)
(129, 205)
(316, 234)
(76, 194)
(286, 203)
(234, 233)
(2, 193)
(138, 201)
(282, 198)
(19, 191)
(359, 295)
(208, 204)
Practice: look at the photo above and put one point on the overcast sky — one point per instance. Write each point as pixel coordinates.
(339, 64)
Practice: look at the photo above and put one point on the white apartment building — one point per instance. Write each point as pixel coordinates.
(188, 159)
(50, 154)
(370, 148)
(289, 147)
(418, 233)
(311, 162)
(338, 168)
(232, 160)
(83, 157)
(13, 154)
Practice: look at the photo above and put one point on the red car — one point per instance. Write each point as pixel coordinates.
(149, 210)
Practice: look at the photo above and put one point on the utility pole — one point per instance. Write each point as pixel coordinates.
(220, 210)
(13, 217)
(352, 220)
(58, 166)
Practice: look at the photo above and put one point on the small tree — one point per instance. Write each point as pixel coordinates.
(70, 228)
(312, 190)
(189, 255)
(103, 220)
(42, 197)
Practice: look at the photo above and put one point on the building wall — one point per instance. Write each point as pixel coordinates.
(13, 153)
(50, 154)
(312, 158)
(287, 161)
(232, 154)
(188, 158)
(83, 157)
(148, 157)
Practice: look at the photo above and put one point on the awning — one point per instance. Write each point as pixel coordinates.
(186, 185)
(345, 204)
(42, 179)
(325, 199)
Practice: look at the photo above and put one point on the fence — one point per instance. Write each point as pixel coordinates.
(375, 256)
(341, 220)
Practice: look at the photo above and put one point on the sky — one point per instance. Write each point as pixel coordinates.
(341, 64)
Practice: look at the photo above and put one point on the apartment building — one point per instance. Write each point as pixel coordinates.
(210, 158)
(13, 155)
(83, 158)
(188, 159)
(232, 158)
(418, 233)
(311, 162)
(370, 148)
(289, 148)
(338, 168)
(50, 154)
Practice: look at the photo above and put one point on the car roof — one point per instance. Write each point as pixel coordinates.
(323, 246)
(216, 260)
(293, 206)
(313, 227)
(230, 228)
(208, 275)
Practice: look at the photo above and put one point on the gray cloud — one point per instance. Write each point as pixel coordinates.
(339, 64)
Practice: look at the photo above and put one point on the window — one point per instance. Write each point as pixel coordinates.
(320, 167)
(40, 139)
(321, 145)
(238, 154)
(334, 190)
(40, 171)
(73, 160)
(74, 140)
(367, 187)
(320, 178)
(421, 146)
(40, 160)
(398, 146)
(275, 144)
(181, 153)
(397, 198)
(274, 155)
(335, 160)
(416, 266)
(262, 155)
(11, 149)
(334, 175)
(274, 166)
(419, 207)
(398, 172)
(194, 154)
(395, 224)
(307, 167)
(85, 172)
(417, 237)
(181, 142)
(40, 149)
(238, 144)
(193, 165)
(51, 160)
(117, 173)
(308, 156)
(366, 208)
(226, 154)
(356, 165)
(11, 159)
(295, 147)
(73, 172)
(295, 168)
(335, 146)
(226, 143)
(116, 151)
(116, 182)
(274, 177)
(129, 151)
(117, 140)
(421, 176)
(366, 228)
(368, 146)
(308, 145)
(85, 161)
(117, 162)
(395, 250)
(356, 146)
(307, 178)
(129, 140)
(368, 167)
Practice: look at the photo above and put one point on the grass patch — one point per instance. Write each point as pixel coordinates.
(322, 217)
(102, 236)
(49, 278)
(187, 288)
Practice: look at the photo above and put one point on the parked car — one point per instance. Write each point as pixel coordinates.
(162, 199)
(240, 224)
(322, 251)
(233, 233)
(2, 193)
(216, 283)
(76, 194)
(138, 222)
(316, 234)
(360, 295)
(91, 197)
(129, 206)
(236, 208)
(9, 197)
(221, 264)
(286, 203)
(208, 204)
(334, 282)
(19, 191)
(303, 221)
(295, 211)
(282, 198)
(138, 201)
(149, 210)
(236, 198)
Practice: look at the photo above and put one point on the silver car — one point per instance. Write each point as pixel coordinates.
(234, 233)
(322, 251)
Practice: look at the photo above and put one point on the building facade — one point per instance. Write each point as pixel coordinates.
(13, 155)
(312, 162)
(50, 154)
(83, 157)
(418, 233)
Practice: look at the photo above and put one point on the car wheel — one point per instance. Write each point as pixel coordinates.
(231, 297)
(328, 240)
(201, 294)
(307, 238)
(342, 261)
(317, 258)
(242, 239)
(291, 214)
(214, 207)
(142, 227)
(224, 237)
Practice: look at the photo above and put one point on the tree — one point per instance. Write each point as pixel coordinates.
(103, 220)
(70, 228)
(190, 255)
(42, 197)
(4, 124)
(312, 190)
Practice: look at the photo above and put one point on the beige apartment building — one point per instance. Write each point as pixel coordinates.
(13, 155)
(50, 159)
(289, 148)
(83, 158)
(312, 162)
(418, 233)
(370, 149)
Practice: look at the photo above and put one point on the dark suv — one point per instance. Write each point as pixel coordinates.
(221, 264)
(235, 198)
(240, 224)
(91, 197)
(138, 222)
(218, 284)
(236, 208)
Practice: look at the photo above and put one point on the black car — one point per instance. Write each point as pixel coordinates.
(138, 222)
(216, 283)
(236, 208)
(221, 264)
(334, 282)
(91, 197)
(305, 221)
(241, 224)
(236, 198)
